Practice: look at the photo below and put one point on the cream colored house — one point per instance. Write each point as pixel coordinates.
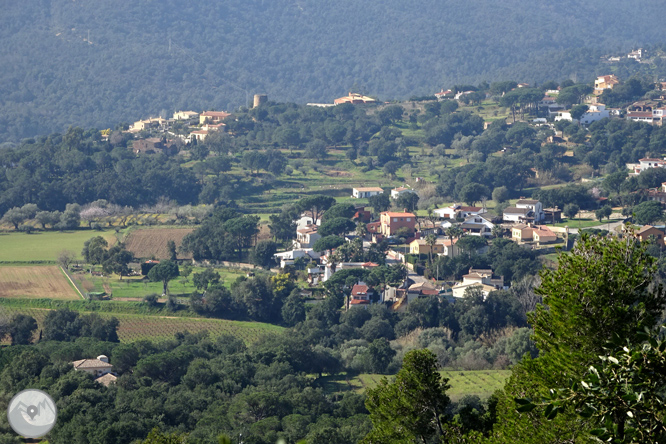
(96, 367)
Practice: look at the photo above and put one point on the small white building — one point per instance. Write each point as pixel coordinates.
(365, 192)
(185, 115)
(397, 192)
(455, 211)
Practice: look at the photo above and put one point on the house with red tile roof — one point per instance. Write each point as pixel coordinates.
(391, 222)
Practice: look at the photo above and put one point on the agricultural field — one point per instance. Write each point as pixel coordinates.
(151, 242)
(138, 287)
(481, 383)
(138, 327)
(35, 282)
(43, 246)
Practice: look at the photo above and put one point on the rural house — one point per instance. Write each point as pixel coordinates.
(365, 192)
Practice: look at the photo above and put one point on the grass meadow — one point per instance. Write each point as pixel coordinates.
(43, 246)
(481, 383)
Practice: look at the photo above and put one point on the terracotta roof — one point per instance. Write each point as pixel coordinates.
(421, 286)
(392, 214)
(527, 202)
(106, 379)
(359, 302)
(359, 289)
(646, 228)
(639, 114)
(381, 190)
(650, 159)
(215, 114)
(544, 233)
(90, 363)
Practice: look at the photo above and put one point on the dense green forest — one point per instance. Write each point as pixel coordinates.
(147, 58)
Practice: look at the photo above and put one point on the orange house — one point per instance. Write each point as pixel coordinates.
(391, 222)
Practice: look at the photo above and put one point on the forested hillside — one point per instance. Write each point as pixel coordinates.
(98, 63)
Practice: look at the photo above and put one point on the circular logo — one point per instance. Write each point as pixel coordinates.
(32, 413)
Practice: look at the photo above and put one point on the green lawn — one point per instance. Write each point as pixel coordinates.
(481, 383)
(138, 287)
(45, 245)
(579, 223)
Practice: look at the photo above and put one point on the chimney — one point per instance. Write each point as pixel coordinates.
(405, 210)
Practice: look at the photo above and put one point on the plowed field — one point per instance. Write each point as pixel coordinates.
(152, 242)
(35, 282)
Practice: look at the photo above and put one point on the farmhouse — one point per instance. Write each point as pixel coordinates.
(96, 367)
(365, 192)
(397, 192)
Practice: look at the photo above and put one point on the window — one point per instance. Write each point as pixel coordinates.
(409, 219)
(395, 219)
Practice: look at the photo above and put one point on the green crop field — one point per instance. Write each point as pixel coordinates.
(138, 287)
(136, 327)
(45, 245)
(481, 383)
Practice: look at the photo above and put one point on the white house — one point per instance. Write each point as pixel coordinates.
(636, 54)
(481, 278)
(365, 192)
(457, 210)
(304, 221)
(287, 257)
(533, 205)
(647, 163)
(185, 115)
(594, 113)
(306, 237)
(477, 226)
(397, 192)
(514, 214)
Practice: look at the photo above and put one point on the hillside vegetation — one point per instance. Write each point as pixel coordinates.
(95, 64)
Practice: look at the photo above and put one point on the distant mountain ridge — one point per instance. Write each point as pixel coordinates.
(91, 63)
